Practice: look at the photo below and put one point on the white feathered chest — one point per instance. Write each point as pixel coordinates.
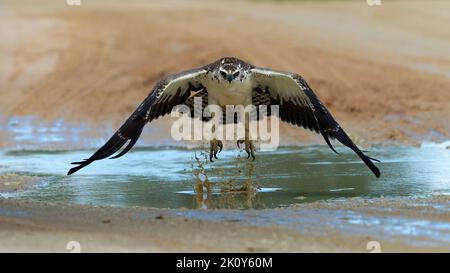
(223, 93)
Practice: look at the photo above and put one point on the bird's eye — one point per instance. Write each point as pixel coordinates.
(236, 73)
(223, 73)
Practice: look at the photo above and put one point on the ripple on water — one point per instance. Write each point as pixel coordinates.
(164, 177)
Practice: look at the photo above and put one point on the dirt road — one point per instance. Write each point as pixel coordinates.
(29, 226)
(383, 71)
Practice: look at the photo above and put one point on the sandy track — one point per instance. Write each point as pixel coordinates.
(27, 226)
(381, 71)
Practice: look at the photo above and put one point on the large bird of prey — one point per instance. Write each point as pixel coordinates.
(230, 81)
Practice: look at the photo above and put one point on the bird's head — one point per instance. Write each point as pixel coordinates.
(230, 72)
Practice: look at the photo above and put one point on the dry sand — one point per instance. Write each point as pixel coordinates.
(383, 72)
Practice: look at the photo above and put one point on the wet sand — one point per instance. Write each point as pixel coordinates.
(11, 182)
(48, 227)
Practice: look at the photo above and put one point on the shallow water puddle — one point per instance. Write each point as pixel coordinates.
(164, 177)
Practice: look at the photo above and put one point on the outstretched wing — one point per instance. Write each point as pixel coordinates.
(166, 94)
(299, 105)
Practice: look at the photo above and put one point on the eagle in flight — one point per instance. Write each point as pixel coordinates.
(230, 81)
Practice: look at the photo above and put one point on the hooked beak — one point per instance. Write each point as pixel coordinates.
(229, 77)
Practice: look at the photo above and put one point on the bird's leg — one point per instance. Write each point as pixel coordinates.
(216, 145)
(215, 148)
(249, 147)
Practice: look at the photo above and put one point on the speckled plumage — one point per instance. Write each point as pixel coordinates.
(230, 81)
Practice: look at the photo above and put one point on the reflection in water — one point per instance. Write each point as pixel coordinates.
(30, 132)
(228, 192)
(173, 178)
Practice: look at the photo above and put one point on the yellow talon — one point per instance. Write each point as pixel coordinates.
(216, 147)
(249, 148)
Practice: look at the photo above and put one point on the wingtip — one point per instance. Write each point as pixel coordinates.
(374, 159)
(74, 169)
(377, 173)
(81, 165)
(375, 170)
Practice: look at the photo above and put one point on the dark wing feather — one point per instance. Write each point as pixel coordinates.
(164, 96)
(300, 106)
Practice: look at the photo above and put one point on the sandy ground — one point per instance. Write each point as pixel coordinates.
(48, 227)
(383, 71)
(11, 182)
